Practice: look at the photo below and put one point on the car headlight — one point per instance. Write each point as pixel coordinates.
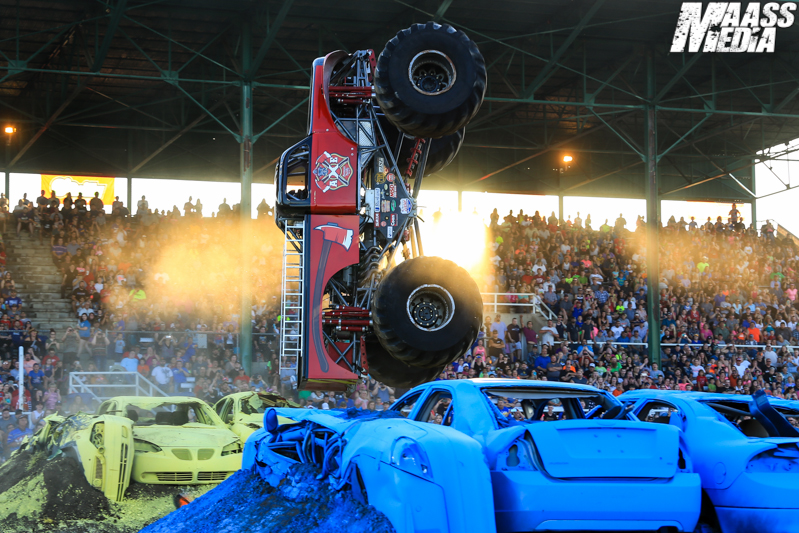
(145, 447)
(231, 449)
(407, 455)
(98, 436)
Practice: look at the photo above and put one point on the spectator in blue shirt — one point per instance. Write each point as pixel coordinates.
(36, 377)
(13, 300)
(16, 435)
(84, 334)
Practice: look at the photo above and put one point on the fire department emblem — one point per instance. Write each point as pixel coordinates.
(332, 171)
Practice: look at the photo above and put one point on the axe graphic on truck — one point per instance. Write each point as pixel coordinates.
(331, 233)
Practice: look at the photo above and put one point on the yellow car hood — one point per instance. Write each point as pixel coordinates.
(187, 436)
(258, 419)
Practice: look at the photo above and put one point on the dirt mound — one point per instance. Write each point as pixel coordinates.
(41, 496)
(300, 504)
(37, 494)
(69, 495)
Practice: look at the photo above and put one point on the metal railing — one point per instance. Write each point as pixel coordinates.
(115, 384)
(728, 345)
(499, 302)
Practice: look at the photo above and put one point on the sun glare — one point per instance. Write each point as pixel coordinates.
(459, 237)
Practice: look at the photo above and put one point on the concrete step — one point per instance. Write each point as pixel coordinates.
(36, 301)
(51, 308)
(48, 268)
(42, 296)
(38, 288)
(47, 317)
(39, 278)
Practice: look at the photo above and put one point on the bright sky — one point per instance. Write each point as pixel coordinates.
(163, 194)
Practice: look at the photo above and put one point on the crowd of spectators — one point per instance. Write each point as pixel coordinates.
(727, 301)
(154, 293)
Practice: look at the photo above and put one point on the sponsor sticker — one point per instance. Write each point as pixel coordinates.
(390, 177)
(393, 221)
(390, 232)
(385, 205)
(392, 190)
(405, 205)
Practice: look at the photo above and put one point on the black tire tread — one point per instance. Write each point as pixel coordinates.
(398, 347)
(428, 125)
(394, 373)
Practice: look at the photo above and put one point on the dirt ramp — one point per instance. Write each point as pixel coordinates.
(300, 504)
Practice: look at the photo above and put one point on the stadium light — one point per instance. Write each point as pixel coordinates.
(10, 129)
(567, 159)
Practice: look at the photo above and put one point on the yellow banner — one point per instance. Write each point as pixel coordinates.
(88, 185)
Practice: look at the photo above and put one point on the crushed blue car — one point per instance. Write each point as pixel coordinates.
(446, 458)
(745, 448)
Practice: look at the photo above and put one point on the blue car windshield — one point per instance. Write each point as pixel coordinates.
(753, 422)
(526, 405)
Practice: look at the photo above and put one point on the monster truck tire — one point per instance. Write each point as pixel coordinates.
(442, 150)
(430, 80)
(427, 312)
(394, 373)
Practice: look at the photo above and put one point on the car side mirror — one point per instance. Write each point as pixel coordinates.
(270, 420)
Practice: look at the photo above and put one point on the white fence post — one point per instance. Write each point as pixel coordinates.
(21, 379)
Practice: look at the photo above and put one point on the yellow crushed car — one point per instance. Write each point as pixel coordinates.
(103, 445)
(177, 440)
(243, 412)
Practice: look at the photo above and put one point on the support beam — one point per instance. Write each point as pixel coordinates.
(130, 195)
(442, 10)
(99, 58)
(74, 94)
(268, 40)
(245, 331)
(652, 223)
(547, 70)
(179, 134)
(754, 200)
(113, 24)
(553, 147)
(680, 73)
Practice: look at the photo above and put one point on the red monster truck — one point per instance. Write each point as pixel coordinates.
(346, 201)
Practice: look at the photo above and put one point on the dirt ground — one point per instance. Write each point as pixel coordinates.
(300, 504)
(41, 496)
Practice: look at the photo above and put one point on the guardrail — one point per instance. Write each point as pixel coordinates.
(116, 384)
(731, 345)
(502, 302)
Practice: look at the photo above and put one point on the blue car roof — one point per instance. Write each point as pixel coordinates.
(516, 383)
(703, 397)
(680, 395)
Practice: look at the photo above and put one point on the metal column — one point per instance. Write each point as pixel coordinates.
(561, 216)
(130, 196)
(245, 337)
(652, 212)
(754, 200)
(8, 186)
